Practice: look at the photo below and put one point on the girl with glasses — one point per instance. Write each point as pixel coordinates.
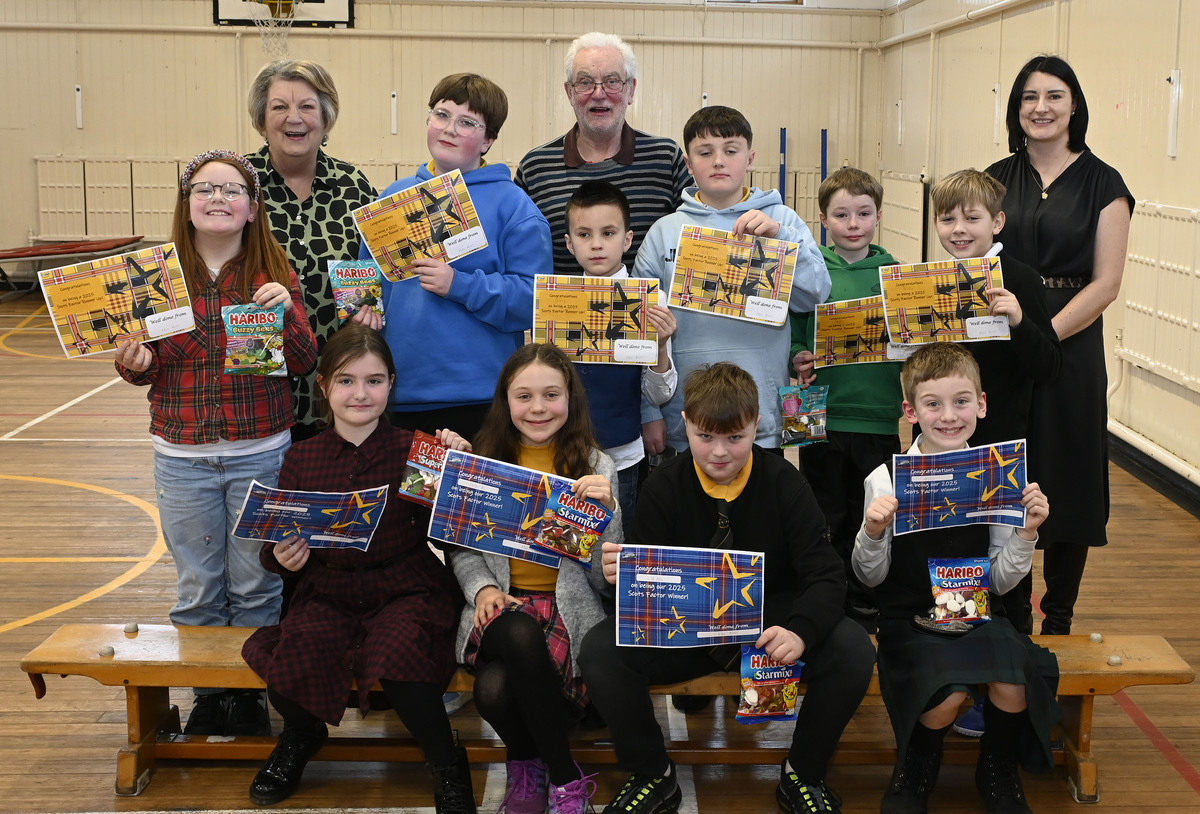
(215, 433)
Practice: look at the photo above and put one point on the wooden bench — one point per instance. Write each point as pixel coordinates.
(158, 657)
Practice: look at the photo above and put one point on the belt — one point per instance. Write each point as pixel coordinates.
(374, 566)
(1065, 282)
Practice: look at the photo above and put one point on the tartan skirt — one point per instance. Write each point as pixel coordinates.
(918, 669)
(543, 608)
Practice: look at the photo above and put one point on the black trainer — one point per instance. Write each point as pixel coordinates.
(643, 794)
(452, 790)
(805, 796)
(999, 781)
(209, 714)
(248, 713)
(912, 783)
(280, 777)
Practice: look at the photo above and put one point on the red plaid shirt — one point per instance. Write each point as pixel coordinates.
(192, 401)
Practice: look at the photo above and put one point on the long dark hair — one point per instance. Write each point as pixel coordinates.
(498, 437)
(1058, 67)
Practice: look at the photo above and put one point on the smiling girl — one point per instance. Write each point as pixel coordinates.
(215, 433)
(523, 631)
(388, 612)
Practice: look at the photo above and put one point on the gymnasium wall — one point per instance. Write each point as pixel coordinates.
(911, 93)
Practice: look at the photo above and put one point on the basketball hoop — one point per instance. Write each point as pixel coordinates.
(274, 19)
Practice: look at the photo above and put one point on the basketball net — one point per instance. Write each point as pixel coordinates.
(274, 18)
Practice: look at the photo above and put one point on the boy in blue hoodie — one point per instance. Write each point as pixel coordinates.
(864, 399)
(454, 326)
(717, 142)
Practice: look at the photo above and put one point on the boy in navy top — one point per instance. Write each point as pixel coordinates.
(598, 234)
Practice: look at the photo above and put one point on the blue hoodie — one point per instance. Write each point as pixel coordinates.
(449, 350)
(700, 339)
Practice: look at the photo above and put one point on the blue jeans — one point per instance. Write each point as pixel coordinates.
(221, 581)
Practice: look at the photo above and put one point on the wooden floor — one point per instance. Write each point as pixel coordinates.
(80, 543)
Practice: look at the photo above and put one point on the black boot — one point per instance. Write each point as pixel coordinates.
(452, 791)
(999, 782)
(913, 780)
(996, 775)
(279, 778)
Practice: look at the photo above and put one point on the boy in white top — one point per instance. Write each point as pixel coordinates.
(598, 234)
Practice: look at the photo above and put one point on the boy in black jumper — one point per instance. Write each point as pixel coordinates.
(771, 508)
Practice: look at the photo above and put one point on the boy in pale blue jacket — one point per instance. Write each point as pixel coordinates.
(717, 143)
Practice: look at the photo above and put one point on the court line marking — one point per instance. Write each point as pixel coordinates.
(11, 433)
(22, 327)
(141, 564)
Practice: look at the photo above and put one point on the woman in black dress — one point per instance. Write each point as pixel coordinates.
(1068, 217)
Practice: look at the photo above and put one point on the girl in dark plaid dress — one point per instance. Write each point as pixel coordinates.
(214, 434)
(924, 676)
(386, 614)
(524, 622)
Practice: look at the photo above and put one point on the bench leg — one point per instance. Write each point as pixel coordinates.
(1076, 726)
(149, 709)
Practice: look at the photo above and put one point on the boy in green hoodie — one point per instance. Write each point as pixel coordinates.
(864, 399)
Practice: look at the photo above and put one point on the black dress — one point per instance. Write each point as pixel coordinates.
(1068, 422)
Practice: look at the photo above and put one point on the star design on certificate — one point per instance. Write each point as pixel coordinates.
(997, 477)
(948, 510)
(679, 618)
(487, 527)
(360, 517)
(736, 577)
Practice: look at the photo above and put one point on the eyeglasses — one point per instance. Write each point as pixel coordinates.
(468, 127)
(230, 191)
(586, 87)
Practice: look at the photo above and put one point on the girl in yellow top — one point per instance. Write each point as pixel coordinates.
(522, 634)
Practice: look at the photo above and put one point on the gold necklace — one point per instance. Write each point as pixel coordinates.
(1037, 180)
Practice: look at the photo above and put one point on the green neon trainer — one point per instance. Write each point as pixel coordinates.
(798, 796)
(643, 794)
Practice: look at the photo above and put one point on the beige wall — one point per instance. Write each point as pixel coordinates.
(159, 81)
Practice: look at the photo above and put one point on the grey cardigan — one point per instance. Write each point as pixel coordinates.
(576, 591)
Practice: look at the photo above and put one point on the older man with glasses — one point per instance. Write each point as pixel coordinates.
(601, 76)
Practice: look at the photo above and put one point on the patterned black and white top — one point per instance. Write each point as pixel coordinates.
(314, 232)
(649, 169)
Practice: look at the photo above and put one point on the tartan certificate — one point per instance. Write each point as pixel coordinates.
(137, 295)
(959, 488)
(596, 319)
(850, 332)
(434, 218)
(324, 519)
(747, 278)
(688, 597)
(493, 506)
(942, 301)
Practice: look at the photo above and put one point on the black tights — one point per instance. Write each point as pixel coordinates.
(519, 692)
(418, 703)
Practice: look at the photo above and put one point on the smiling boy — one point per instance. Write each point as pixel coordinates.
(864, 400)
(598, 234)
(462, 321)
(719, 154)
(767, 506)
(944, 397)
